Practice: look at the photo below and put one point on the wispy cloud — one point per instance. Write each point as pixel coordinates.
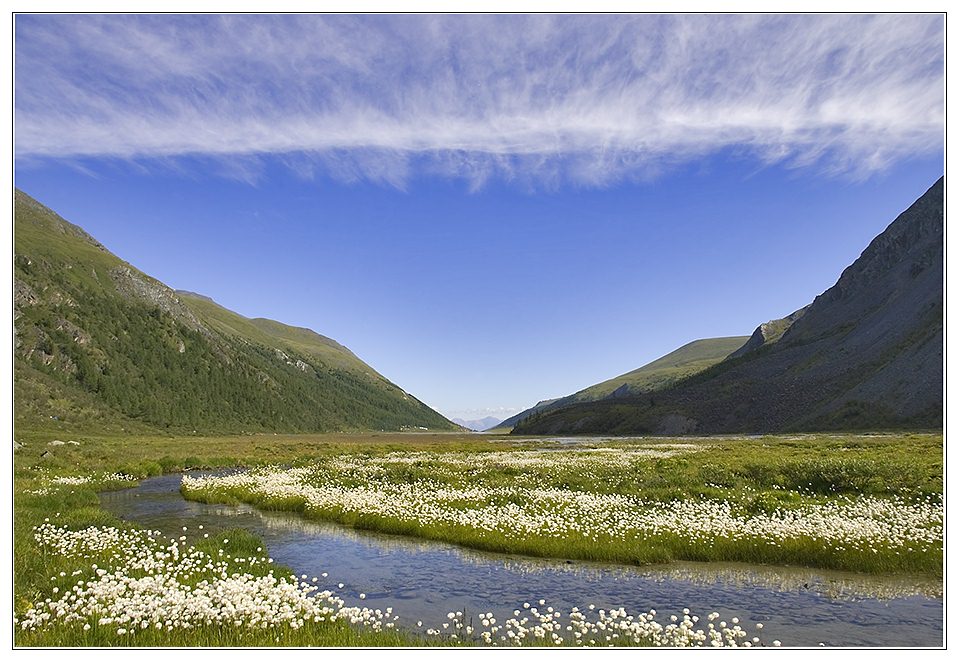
(538, 100)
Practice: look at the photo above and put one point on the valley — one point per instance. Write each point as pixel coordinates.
(162, 441)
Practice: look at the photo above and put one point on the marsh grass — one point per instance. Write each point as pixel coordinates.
(311, 635)
(758, 475)
(767, 476)
(143, 455)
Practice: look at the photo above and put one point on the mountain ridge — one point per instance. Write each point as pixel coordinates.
(95, 334)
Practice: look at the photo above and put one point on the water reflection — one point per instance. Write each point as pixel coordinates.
(836, 585)
(424, 580)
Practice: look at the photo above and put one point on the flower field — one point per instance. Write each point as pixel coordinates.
(146, 590)
(522, 501)
(82, 578)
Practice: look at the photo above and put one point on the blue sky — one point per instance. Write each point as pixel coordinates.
(488, 210)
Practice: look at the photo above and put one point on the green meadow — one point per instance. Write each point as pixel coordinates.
(754, 476)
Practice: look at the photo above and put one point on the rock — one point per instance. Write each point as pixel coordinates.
(80, 337)
(135, 285)
(56, 443)
(768, 332)
(302, 365)
(23, 294)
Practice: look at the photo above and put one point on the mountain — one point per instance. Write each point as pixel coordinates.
(866, 354)
(683, 362)
(478, 424)
(100, 344)
(509, 423)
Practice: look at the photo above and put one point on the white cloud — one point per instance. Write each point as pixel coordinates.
(537, 100)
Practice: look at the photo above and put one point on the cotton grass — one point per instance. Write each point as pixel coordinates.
(145, 583)
(466, 495)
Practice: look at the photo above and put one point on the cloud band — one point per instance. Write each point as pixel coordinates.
(589, 99)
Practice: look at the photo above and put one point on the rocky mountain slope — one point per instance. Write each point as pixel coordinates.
(100, 344)
(866, 354)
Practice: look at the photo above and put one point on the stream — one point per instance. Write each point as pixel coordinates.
(424, 580)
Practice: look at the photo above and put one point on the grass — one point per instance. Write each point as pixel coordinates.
(150, 455)
(757, 475)
(685, 361)
(311, 635)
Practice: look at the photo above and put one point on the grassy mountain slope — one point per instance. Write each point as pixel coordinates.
(683, 362)
(104, 344)
(271, 332)
(866, 354)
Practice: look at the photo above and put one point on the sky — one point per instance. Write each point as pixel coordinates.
(489, 210)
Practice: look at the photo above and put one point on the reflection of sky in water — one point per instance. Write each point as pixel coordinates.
(424, 580)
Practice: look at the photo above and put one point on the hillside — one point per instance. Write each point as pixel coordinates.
(866, 354)
(100, 344)
(683, 362)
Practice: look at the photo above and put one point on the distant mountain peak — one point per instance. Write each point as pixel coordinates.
(483, 424)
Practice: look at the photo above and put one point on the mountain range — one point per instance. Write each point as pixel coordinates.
(101, 345)
(865, 354)
(477, 424)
